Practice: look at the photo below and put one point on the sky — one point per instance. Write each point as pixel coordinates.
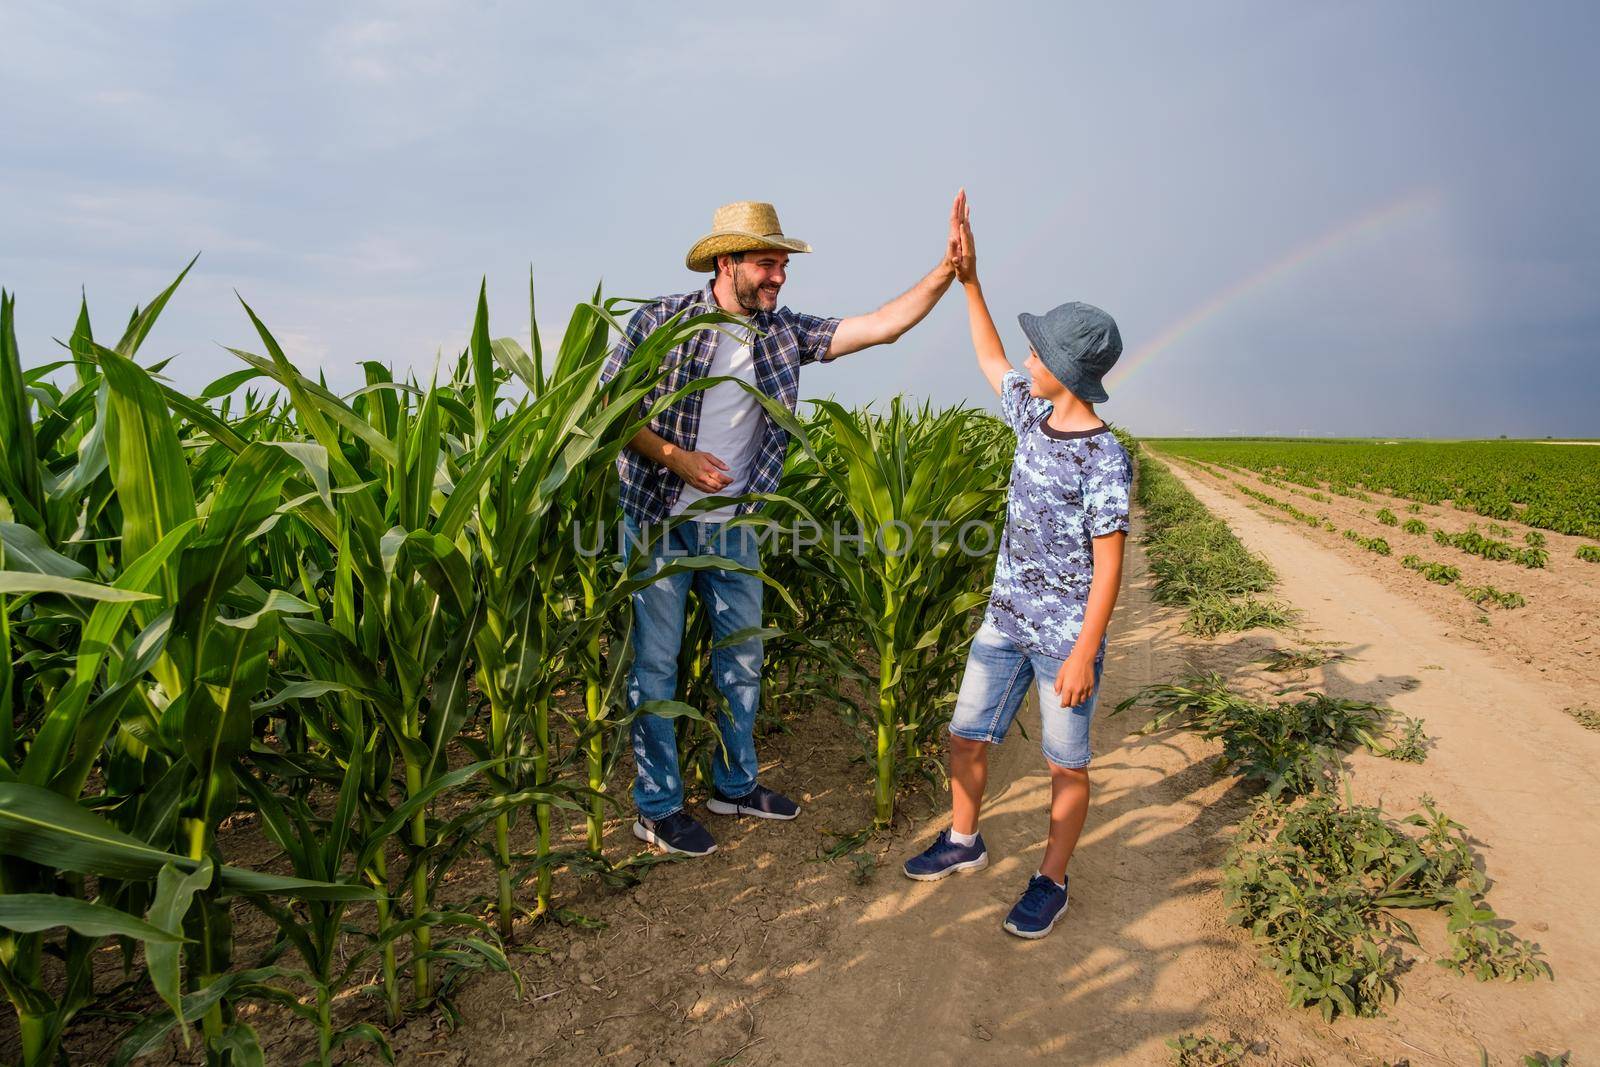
(1330, 219)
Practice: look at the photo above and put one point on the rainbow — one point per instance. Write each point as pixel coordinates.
(1370, 222)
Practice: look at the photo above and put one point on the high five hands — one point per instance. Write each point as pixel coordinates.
(962, 254)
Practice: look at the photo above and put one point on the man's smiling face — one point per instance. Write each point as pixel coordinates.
(757, 279)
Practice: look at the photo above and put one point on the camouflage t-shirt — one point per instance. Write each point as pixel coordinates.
(1066, 489)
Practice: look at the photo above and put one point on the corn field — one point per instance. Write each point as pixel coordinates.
(365, 639)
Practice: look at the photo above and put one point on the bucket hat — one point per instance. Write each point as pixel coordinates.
(742, 226)
(1079, 343)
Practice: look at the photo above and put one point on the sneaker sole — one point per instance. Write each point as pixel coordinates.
(956, 868)
(649, 836)
(722, 807)
(1033, 935)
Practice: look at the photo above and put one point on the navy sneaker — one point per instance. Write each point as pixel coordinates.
(1042, 903)
(677, 832)
(761, 802)
(944, 857)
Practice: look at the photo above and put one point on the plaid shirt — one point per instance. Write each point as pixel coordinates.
(787, 341)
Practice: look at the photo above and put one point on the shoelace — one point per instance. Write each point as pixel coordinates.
(1038, 894)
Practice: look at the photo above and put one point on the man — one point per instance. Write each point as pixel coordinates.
(719, 442)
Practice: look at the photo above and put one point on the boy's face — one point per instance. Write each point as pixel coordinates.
(1042, 383)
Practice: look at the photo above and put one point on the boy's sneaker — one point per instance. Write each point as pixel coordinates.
(761, 802)
(677, 832)
(1042, 903)
(944, 857)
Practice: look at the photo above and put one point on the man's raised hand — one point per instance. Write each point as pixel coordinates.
(953, 252)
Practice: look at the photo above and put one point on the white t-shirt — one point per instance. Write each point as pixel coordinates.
(732, 423)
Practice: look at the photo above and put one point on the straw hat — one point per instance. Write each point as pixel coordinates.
(743, 226)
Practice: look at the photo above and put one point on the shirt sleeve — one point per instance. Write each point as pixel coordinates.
(814, 333)
(1017, 404)
(1105, 494)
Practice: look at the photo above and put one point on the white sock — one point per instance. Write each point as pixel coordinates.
(964, 839)
(1058, 885)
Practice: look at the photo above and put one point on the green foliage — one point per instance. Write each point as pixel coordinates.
(1412, 745)
(347, 618)
(1204, 1050)
(909, 586)
(1534, 539)
(1280, 660)
(1197, 561)
(1533, 558)
(1488, 594)
(1442, 573)
(1482, 948)
(1586, 717)
(1291, 747)
(1415, 526)
(1471, 541)
(1547, 486)
(1321, 882)
(1281, 505)
(1371, 544)
(1387, 517)
(1589, 553)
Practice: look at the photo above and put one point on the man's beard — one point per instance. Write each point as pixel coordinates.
(749, 297)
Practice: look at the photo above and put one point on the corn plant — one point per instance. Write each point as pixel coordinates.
(546, 599)
(908, 581)
(159, 697)
(356, 619)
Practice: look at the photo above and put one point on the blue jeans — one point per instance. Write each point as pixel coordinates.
(733, 601)
(997, 677)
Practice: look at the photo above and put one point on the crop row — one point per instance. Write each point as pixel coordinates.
(1198, 562)
(1548, 486)
(1320, 882)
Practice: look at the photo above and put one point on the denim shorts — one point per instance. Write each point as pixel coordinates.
(996, 680)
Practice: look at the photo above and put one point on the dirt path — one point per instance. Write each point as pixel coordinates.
(1557, 633)
(1522, 776)
(923, 974)
(758, 956)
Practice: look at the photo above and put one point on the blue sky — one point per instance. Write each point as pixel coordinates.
(352, 170)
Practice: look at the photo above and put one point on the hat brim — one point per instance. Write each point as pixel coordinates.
(1085, 387)
(703, 255)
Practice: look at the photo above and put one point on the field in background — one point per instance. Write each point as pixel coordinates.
(1543, 485)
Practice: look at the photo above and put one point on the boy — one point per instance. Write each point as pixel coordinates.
(1055, 583)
